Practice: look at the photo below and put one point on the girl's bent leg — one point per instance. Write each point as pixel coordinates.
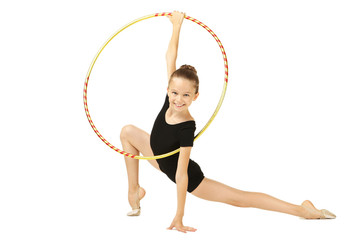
(135, 141)
(218, 192)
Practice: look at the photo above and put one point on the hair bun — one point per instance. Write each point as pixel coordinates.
(188, 67)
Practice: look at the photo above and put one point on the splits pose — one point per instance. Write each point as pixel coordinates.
(174, 128)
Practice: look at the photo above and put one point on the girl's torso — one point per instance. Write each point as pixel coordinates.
(167, 137)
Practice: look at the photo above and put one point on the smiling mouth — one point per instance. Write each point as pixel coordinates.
(179, 106)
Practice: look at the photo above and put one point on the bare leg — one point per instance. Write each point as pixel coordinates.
(216, 191)
(135, 141)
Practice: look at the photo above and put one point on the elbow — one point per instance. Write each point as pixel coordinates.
(181, 177)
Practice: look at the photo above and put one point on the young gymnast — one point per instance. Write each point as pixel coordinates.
(174, 127)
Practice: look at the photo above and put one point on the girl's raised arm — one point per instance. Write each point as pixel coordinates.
(176, 19)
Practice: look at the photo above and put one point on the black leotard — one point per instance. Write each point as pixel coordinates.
(168, 137)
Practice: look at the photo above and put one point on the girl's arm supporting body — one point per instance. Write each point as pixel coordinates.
(184, 156)
(182, 184)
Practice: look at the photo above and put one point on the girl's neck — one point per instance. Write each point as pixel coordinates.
(174, 117)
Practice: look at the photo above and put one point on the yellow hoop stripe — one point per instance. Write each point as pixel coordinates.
(107, 42)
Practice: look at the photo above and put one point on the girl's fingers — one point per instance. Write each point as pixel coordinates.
(186, 229)
(190, 229)
(181, 230)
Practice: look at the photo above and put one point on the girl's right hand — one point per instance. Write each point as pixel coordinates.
(176, 18)
(178, 225)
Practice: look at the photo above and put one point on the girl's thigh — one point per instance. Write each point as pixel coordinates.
(139, 139)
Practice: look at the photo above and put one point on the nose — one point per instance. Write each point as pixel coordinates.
(179, 98)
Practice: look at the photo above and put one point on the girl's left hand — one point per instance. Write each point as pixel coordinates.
(178, 225)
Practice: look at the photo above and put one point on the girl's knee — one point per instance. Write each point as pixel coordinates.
(241, 199)
(126, 131)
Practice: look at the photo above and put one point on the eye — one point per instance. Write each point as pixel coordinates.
(175, 93)
(186, 95)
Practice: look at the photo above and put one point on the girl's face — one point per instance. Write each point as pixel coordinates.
(181, 93)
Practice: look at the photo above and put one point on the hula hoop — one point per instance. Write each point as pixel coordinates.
(206, 125)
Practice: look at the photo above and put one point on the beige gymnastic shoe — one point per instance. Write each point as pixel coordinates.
(326, 214)
(136, 211)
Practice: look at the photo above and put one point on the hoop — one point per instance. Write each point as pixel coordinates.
(206, 125)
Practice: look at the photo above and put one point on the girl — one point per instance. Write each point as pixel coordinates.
(174, 127)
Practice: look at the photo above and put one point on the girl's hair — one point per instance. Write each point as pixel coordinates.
(187, 72)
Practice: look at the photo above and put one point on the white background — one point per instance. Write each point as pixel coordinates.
(289, 125)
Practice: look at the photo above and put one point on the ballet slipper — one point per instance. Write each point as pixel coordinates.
(326, 214)
(136, 211)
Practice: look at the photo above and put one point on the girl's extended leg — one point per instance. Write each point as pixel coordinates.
(215, 191)
(135, 141)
